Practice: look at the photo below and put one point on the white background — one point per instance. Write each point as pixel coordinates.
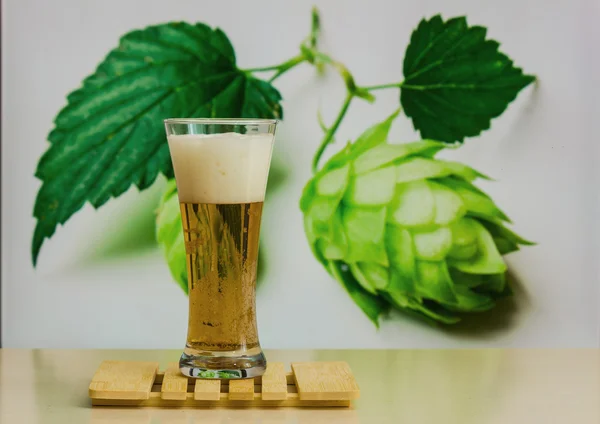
(543, 153)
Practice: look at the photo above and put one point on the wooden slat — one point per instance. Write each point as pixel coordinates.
(123, 380)
(257, 380)
(207, 389)
(274, 382)
(241, 389)
(174, 384)
(325, 381)
(155, 400)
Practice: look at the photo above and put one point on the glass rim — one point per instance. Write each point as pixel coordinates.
(221, 121)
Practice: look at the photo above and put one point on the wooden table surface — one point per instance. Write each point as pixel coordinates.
(397, 386)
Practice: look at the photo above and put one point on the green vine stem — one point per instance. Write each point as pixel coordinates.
(288, 64)
(328, 137)
(310, 53)
(281, 68)
(383, 86)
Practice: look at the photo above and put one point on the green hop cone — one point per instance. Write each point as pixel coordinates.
(169, 235)
(398, 227)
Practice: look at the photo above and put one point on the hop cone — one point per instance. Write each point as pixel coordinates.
(399, 228)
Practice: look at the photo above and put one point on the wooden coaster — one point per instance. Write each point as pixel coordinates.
(123, 383)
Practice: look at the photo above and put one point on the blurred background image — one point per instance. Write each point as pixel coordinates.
(114, 276)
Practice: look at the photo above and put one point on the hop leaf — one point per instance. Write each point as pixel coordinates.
(456, 80)
(110, 135)
(398, 227)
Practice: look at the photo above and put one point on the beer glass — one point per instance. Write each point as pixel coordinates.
(221, 168)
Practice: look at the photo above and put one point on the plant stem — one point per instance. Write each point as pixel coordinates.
(282, 67)
(331, 131)
(309, 52)
(286, 66)
(383, 86)
(315, 27)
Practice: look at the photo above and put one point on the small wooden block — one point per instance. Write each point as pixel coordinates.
(174, 384)
(123, 380)
(207, 389)
(274, 382)
(241, 389)
(325, 381)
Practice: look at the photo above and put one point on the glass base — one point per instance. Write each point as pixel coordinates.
(223, 365)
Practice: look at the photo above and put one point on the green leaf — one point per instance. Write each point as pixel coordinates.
(371, 305)
(456, 80)
(169, 235)
(110, 135)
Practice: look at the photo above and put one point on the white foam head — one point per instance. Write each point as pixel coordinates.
(221, 168)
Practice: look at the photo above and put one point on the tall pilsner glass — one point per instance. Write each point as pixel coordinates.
(221, 168)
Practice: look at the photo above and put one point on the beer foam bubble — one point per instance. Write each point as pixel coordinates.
(221, 168)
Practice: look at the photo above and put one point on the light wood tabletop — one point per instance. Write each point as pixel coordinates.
(397, 386)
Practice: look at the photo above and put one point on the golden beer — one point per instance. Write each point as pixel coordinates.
(221, 243)
(221, 169)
